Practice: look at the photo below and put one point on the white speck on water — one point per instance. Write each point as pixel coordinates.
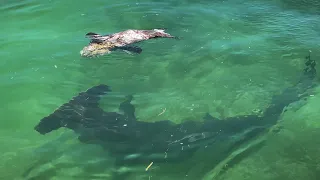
(55, 66)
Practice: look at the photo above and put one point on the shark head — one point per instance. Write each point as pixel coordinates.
(48, 124)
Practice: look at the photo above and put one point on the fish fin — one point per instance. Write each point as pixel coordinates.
(91, 96)
(130, 49)
(310, 70)
(128, 109)
(160, 29)
(208, 117)
(73, 110)
(87, 138)
(94, 37)
(295, 93)
(161, 33)
(92, 34)
(128, 52)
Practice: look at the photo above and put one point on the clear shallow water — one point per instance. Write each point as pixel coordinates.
(233, 56)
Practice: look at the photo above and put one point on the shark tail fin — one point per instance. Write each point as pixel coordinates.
(295, 93)
(72, 110)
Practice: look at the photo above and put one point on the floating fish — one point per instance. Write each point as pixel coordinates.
(105, 44)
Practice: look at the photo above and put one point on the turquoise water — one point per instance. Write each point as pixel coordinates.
(231, 58)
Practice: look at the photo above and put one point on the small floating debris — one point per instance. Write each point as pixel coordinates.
(149, 166)
(163, 111)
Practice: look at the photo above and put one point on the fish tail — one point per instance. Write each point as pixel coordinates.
(161, 32)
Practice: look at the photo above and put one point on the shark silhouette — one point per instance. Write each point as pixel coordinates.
(135, 141)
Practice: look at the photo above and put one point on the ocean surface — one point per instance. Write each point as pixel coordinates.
(231, 58)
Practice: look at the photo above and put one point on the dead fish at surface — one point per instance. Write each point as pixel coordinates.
(105, 44)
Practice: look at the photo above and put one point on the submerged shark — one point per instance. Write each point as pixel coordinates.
(105, 44)
(131, 140)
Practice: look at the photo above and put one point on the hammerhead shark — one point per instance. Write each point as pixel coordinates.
(131, 140)
(105, 44)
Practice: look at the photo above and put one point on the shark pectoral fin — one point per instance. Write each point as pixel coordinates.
(90, 135)
(86, 138)
(130, 49)
(208, 117)
(73, 110)
(128, 109)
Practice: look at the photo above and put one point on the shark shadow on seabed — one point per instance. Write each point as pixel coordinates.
(133, 141)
